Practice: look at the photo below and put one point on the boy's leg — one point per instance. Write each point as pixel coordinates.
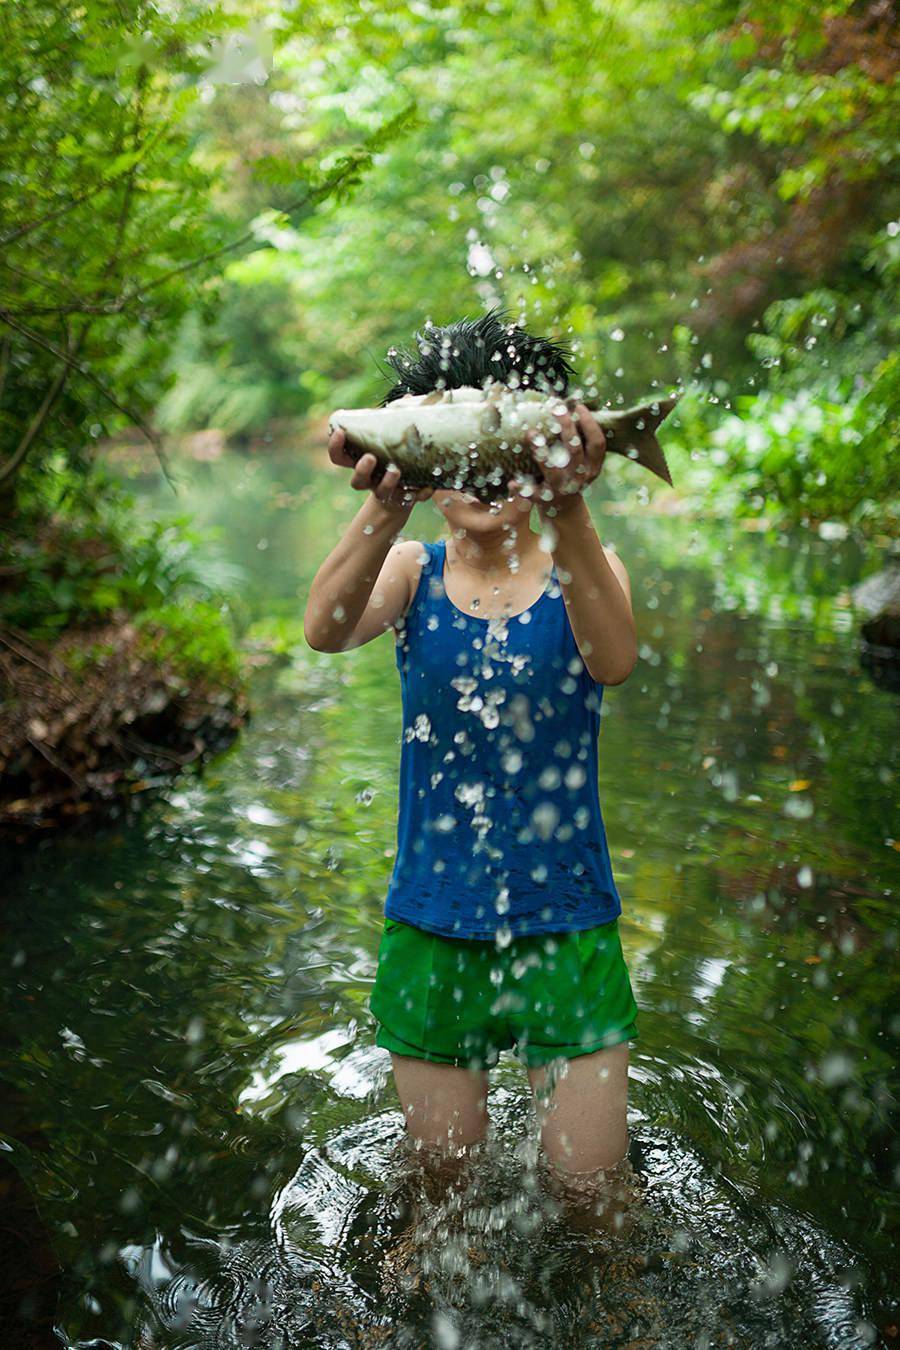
(445, 1106)
(581, 1105)
(446, 1114)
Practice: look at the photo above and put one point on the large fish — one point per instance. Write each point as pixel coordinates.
(472, 439)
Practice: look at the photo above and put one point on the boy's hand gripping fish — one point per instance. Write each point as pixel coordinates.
(473, 440)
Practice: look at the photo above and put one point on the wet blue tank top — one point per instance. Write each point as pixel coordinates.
(499, 829)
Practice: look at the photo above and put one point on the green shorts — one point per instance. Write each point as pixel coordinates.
(462, 1000)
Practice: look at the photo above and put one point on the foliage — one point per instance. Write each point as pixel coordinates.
(193, 637)
(282, 635)
(237, 373)
(78, 553)
(812, 458)
(93, 155)
(487, 188)
(112, 234)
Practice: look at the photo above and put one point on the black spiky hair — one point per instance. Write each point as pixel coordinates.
(476, 352)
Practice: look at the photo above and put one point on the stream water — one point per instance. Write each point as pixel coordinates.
(211, 1139)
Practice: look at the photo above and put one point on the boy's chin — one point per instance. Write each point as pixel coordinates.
(474, 507)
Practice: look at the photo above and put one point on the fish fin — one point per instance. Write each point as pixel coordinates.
(412, 438)
(490, 420)
(636, 430)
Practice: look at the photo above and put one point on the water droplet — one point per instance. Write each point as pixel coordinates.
(836, 1068)
(446, 1335)
(545, 818)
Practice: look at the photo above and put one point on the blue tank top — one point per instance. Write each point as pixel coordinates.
(499, 832)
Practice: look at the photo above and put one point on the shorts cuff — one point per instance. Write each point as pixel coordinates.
(534, 1056)
(389, 1041)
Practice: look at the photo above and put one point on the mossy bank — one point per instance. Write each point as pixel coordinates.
(119, 659)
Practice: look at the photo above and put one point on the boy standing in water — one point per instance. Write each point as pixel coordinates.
(501, 917)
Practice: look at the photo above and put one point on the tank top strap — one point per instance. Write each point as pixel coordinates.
(422, 596)
(436, 553)
(431, 567)
(431, 575)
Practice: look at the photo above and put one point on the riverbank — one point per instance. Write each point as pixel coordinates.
(98, 717)
(119, 658)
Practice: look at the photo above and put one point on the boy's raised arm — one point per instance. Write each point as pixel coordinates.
(363, 586)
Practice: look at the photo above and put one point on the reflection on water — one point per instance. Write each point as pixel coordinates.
(209, 1133)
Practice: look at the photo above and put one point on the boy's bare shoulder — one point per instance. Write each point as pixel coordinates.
(408, 548)
(409, 557)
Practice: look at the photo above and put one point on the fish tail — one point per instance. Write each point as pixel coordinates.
(635, 437)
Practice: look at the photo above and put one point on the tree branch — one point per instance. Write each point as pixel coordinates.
(30, 226)
(313, 195)
(5, 350)
(152, 436)
(17, 458)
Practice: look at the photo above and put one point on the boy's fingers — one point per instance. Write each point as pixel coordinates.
(362, 473)
(388, 483)
(514, 489)
(337, 452)
(582, 466)
(594, 436)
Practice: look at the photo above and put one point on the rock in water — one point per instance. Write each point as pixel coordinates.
(878, 597)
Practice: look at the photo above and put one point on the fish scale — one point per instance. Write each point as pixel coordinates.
(473, 440)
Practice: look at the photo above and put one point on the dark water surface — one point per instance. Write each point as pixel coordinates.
(213, 1141)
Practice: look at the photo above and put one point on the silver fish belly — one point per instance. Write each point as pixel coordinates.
(472, 439)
